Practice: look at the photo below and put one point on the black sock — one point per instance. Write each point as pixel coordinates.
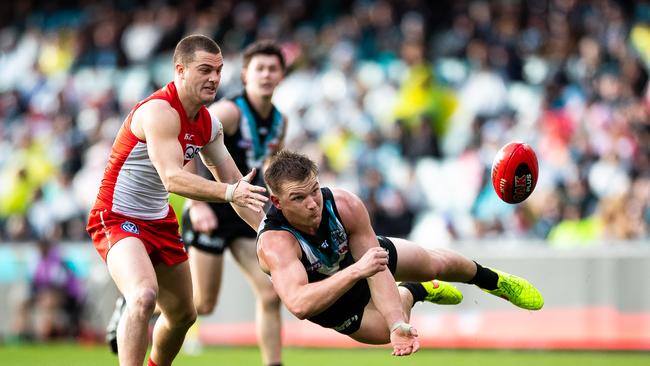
(275, 364)
(417, 290)
(485, 278)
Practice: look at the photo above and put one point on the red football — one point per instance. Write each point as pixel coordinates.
(514, 172)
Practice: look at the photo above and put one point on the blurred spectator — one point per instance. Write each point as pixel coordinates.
(53, 308)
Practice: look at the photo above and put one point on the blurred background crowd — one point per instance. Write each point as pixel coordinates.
(404, 102)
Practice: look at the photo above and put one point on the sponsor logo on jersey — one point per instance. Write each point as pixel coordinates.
(314, 266)
(191, 151)
(341, 238)
(130, 227)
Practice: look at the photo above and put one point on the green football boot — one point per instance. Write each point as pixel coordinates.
(518, 291)
(441, 292)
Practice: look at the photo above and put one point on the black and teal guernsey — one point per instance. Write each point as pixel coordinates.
(326, 253)
(249, 146)
(255, 138)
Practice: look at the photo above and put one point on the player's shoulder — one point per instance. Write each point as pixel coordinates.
(276, 241)
(227, 112)
(273, 236)
(275, 248)
(157, 108)
(348, 204)
(223, 103)
(344, 196)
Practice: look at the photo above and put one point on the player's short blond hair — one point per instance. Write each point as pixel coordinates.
(288, 166)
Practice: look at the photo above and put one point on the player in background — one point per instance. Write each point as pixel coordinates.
(328, 266)
(132, 225)
(254, 129)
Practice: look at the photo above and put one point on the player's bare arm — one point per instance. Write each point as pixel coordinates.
(201, 215)
(361, 240)
(279, 255)
(158, 124)
(217, 159)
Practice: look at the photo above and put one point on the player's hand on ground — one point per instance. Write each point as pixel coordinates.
(404, 340)
(249, 195)
(374, 260)
(202, 217)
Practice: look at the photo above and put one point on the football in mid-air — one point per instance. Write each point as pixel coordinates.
(514, 172)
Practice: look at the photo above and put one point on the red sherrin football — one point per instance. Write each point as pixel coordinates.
(514, 172)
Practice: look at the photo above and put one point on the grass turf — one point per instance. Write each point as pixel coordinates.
(73, 355)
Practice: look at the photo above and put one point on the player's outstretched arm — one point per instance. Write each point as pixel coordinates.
(247, 199)
(157, 123)
(385, 296)
(279, 255)
(202, 217)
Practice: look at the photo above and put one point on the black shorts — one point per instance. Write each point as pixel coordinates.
(230, 227)
(346, 313)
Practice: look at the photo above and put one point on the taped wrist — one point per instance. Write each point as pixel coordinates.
(402, 325)
(230, 192)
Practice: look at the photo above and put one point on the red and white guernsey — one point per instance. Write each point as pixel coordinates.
(131, 185)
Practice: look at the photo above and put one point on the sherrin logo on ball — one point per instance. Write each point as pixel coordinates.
(514, 172)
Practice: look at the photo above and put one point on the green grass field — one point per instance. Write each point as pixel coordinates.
(73, 355)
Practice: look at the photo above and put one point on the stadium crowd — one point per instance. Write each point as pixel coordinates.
(402, 102)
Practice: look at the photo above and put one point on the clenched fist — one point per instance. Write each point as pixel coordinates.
(373, 261)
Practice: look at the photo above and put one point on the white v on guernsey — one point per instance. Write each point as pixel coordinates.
(131, 185)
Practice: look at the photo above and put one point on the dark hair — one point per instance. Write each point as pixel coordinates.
(288, 166)
(187, 47)
(263, 47)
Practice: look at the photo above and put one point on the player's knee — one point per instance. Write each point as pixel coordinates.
(189, 317)
(269, 299)
(183, 318)
(143, 302)
(441, 261)
(205, 307)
